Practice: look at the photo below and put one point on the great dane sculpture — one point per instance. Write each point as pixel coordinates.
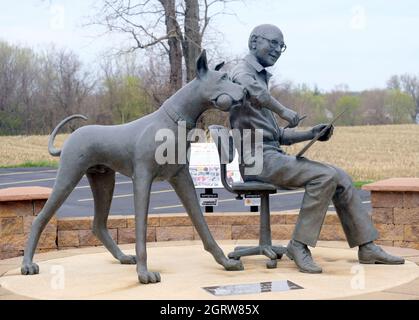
(100, 151)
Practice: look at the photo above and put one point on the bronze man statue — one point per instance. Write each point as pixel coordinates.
(323, 183)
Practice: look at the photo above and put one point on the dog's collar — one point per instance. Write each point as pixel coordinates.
(176, 117)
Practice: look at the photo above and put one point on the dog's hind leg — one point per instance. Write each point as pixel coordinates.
(142, 186)
(66, 180)
(102, 185)
(184, 187)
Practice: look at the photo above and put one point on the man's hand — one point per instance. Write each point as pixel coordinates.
(326, 136)
(292, 118)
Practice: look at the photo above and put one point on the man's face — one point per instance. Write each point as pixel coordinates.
(268, 47)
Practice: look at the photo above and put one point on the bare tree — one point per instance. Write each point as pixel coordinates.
(63, 83)
(18, 88)
(175, 26)
(373, 107)
(409, 83)
(192, 41)
(122, 90)
(394, 83)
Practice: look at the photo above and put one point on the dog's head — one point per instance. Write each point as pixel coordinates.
(218, 88)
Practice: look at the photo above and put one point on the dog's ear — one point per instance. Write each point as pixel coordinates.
(219, 66)
(202, 65)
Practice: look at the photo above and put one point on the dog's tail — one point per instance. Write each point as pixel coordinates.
(51, 149)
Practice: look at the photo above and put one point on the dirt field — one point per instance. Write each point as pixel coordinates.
(370, 152)
(366, 153)
(17, 150)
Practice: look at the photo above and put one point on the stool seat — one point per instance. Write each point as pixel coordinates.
(253, 186)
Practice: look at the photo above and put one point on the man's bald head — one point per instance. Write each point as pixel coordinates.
(268, 31)
(266, 43)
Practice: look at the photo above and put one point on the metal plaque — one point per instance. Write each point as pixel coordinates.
(208, 199)
(261, 287)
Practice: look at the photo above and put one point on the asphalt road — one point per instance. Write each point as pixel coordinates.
(163, 198)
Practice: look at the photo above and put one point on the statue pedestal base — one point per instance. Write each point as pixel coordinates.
(185, 270)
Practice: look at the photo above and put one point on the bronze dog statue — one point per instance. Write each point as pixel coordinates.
(100, 151)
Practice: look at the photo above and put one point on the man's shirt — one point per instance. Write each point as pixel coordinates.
(252, 115)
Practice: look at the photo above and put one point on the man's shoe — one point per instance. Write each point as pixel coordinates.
(301, 255)
(371, 253)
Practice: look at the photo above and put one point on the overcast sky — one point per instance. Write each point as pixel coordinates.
(360, 43)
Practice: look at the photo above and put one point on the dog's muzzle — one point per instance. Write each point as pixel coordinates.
(225, 101)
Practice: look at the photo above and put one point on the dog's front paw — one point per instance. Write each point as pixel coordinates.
(29, 268)
(128, 259)
(148, 277)
(233, 265)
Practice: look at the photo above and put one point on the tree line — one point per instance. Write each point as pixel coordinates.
(38, 89)
(369, 107)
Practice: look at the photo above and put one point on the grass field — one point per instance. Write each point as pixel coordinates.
(366, 153)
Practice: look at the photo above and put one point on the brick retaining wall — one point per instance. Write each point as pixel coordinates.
(76, 232)
(395, 210)
(18, 208)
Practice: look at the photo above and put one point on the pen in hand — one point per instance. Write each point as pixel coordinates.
(299, 120)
